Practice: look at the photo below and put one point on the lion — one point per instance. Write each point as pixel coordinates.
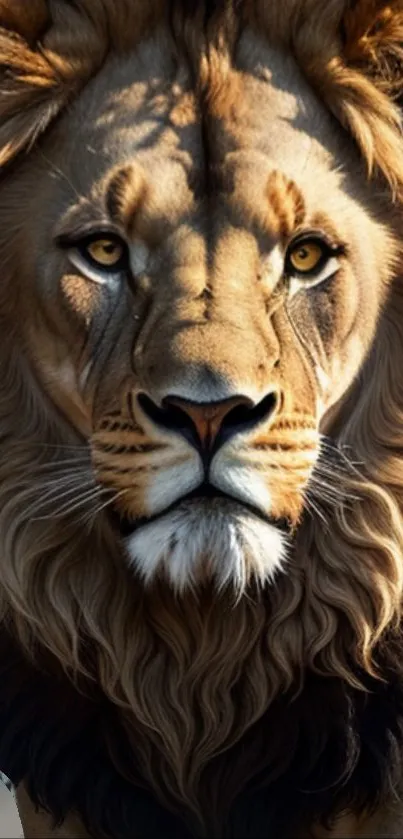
(201, 417)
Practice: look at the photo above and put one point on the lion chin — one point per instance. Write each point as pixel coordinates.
(208, 540)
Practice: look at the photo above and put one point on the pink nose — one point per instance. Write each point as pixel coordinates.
(208, 418)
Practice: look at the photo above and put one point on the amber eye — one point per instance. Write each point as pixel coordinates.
(105, 253)
(307, 257)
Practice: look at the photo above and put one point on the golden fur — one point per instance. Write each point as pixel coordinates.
(353, 56)
(156, 656)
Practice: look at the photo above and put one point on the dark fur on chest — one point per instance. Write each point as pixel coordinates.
(309, 756)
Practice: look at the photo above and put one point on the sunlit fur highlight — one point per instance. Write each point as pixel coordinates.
(343, 590)
(352, 55)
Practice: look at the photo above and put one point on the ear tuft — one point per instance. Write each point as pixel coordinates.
(44, 61)
(373, 42)
(352, 51)
(31, 95)
(372, 34)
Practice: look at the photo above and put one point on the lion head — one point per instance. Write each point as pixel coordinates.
(201, 394)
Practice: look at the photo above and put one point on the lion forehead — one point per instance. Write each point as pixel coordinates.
(151, 110)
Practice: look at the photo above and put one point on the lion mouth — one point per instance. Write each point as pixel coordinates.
(203, 493)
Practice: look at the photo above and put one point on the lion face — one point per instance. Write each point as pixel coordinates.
(206, 272)
(201, 322)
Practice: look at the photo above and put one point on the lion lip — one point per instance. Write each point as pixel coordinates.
(204, 492)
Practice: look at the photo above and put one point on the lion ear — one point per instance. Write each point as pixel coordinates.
(371, 84)
(373, 43)
(44, 61)
(29, 88)
(358, 71)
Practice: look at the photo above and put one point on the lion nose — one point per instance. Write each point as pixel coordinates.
(207, 425)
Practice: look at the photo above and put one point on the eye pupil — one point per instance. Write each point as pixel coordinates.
(105, 253)
(306, 257)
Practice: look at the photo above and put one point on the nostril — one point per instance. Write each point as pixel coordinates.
(245, 417)
(149, 407)
(169, 416)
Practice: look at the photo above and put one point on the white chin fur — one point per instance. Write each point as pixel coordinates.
(207, 540)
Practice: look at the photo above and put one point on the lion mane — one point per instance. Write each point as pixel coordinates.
(128, 705)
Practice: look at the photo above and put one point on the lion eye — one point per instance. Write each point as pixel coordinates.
(311, 258)
(306, 258)
(102, 257)
(105, 253)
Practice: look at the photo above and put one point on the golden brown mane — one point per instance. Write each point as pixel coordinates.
(63, 587)
(352, 56)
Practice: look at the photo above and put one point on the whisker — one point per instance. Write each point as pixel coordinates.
(93, 513)
(314, 508)
(68, 476)
(328, 494)
(334, 478)
(339, 451)
(336, 492)
(69, 507)
(52, 482)
(66, 488)
(61, 446)
(60, 464)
